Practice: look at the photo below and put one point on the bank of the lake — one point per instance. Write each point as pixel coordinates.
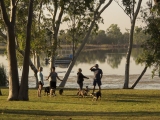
(109, 82)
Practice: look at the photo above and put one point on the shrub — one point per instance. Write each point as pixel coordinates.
(3, 76)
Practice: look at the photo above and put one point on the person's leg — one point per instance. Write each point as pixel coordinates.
(81, 89)
(94, 85)
(81, 86)
(54, 86)
(38, 94)
(99, 85)
(51, 88)
(39, 90)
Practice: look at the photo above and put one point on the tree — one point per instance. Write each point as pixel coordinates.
(139, 36)
(114, 34)
(14, 93)
(151, 51)
(101, 37)
(132, 13)
(96, 17)
(23, 90)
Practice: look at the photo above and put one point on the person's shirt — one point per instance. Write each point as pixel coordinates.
(53, 76)
(40, 77)
(97, 73)
(80, 77)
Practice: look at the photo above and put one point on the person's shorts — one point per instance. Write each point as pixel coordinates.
(52, 85)
(80, 86)
(40, 83)
(97, 82)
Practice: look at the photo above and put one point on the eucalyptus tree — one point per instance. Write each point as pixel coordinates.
(99, 37)
(139, 36)
(95, 17)
(16, 92)
(132, 11)
(151, 51)
(114, 34)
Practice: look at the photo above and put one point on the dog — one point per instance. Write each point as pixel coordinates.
(52, 92)
(96, 95)
(61, 91)
(84, 92)
(46, 91)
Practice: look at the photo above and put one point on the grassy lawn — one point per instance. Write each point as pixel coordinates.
(114, 105)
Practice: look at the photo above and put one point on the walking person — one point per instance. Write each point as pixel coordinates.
(98, 73)
(80, 79)
(53, 81)
(40, 81)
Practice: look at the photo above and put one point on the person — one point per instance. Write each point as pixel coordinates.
(40, 81)
(98, 73)
(53, 81)
(80, 79)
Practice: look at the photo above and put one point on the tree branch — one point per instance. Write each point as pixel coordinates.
(4, 13)
(122, 8)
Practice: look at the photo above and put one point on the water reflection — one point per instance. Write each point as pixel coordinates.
(110, 61)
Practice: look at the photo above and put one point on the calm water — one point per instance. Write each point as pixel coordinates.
(112, 62)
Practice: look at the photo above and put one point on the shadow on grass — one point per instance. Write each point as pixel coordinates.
(80, 113)
(140, 101)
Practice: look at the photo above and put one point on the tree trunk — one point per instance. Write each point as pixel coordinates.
(11, 50)
(13, 69)
(37, 61)
(23, 93)
(38, 65)
(127, 66)
(139, 78)
(32, 66)
(62, 84)
(0, 93)
(126, 82)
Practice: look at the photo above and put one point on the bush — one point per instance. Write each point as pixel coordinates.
(3, 76)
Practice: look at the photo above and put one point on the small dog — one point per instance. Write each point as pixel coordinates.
(96, 95)
(52, 92)
(46, 91)
(61, 91)
(84, 92)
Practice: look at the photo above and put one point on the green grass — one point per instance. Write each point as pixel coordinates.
(115, 105)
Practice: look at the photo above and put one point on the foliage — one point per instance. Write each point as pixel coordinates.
(139, 36)
(151, 49)
(128, 4)
(114, 34)
(3, 76)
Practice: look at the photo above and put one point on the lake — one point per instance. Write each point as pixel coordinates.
(112, 62)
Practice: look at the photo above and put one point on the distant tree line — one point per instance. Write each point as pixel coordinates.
(112, 36)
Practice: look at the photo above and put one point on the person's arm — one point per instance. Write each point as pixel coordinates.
(42, 78)
(101, 74)
(58, 78)
(85, 76)
(92, 67)
(48, 76)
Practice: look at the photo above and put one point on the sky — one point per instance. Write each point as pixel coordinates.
(115, 15)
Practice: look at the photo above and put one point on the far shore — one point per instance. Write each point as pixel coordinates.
(92, 46)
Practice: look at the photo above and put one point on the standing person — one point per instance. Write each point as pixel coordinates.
(54, 76)
(40, 81)
(97, 76)
(80, 79)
